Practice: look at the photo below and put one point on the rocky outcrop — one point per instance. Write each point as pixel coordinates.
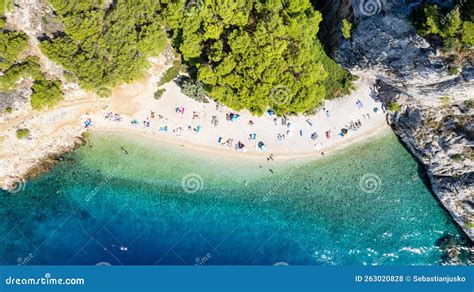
(441, 138)
(39, 163)
(431, 111)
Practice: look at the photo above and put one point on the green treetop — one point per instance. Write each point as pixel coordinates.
(28, 68)
(346, 28)
(105, 45)
(467, 33)
(252, 54)
(12, 43)
(453, 27)
(46, 94)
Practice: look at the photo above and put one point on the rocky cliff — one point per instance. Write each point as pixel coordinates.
(330, 28)
(430, 110)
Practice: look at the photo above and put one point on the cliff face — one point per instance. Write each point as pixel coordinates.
(441, 138)
(333, 14)
(432, 111)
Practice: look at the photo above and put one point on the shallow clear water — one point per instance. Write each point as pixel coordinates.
(168, 205)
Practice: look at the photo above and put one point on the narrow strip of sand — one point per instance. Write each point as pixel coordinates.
(214, 150)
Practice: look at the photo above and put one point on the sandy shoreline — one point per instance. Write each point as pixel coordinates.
(315, 154)
(180, 120)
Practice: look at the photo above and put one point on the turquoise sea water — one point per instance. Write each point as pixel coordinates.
(162, 204)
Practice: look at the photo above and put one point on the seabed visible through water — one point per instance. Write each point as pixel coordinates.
(159, 204)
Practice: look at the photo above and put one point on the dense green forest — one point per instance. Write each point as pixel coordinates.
(12, 43)
(256, 54)
(251, 54)
(104, 45)
(27, 68)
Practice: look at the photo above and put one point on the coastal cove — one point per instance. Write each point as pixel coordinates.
(176, 118)
(126, 199)
(246, 134)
